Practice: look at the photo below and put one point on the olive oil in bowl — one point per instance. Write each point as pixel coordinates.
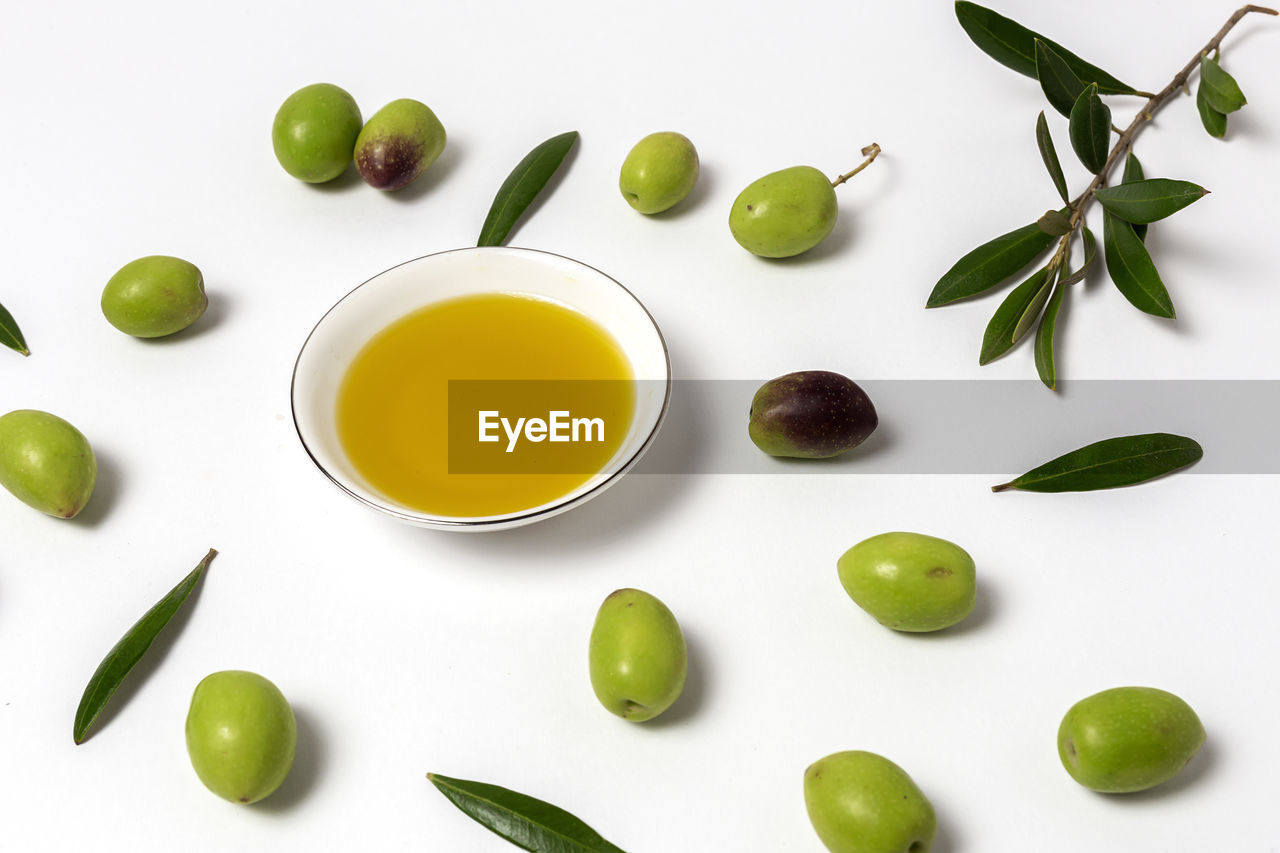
(396, 428)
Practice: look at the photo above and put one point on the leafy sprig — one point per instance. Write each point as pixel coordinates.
(1074, 87)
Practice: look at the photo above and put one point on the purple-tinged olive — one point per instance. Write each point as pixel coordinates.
(398, 143)
(812, 414)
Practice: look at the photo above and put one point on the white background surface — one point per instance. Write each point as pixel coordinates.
(136, 128)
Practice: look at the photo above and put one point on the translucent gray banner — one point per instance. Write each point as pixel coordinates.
(994, 427)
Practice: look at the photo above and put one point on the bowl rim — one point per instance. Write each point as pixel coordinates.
(440, 522)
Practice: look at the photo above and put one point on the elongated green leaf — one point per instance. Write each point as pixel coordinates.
(1049, 155)
(1031, 313)
(1090, 129)
(132, 646)
(1013, 45)
(1090, 252)
(1150, 200)
(1058, 82)
(1130, 267)
(1220, 88)
(1132, 174)
(1054, 222)
(1214, 122)
(528, 823)
(990, 265)
(1015, 316)
(1110, 463)
(522, 186)
(10, 334)
(1045, 362)
(1132, 169)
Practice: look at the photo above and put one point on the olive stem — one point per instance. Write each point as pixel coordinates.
(870, 152)
(1125, 143)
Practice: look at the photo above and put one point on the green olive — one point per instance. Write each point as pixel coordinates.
(1128, 739)
(241, 735)
(637, 655)
(154, 296)
(860, 802)
(909, 581)
(660, 170)
(314, 132)
(784, 213)
(46, 462)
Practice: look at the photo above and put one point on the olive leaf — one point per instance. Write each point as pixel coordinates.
(1107, 464)
(1058, 82)
(526, 822)
(1015, 316)
(1049, 155)
(1131, 268)
(522, 186)
(1149, 200)
(1132, 169)
(1090, 252)
(1214, 122)
(990, 265)
(1220, 88)
(1013, 46)
(1133, 173)
(10, 334)
(130, 649)
(1055, 223)
(1045, 363)
(1090, 129)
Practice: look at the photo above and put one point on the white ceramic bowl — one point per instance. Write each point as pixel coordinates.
(340, 335)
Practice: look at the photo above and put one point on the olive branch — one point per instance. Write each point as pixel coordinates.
(1074, 88)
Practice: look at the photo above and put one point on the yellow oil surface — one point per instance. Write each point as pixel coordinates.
(392, 409)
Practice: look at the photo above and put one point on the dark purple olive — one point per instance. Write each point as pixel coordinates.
(813, 414)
